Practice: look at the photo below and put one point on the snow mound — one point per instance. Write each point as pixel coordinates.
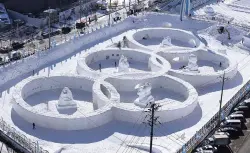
(209, 11)
(167, 25)
(235, 33)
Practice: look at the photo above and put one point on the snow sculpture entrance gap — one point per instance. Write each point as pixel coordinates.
(123, 64)
(144, 92)
(66, 102)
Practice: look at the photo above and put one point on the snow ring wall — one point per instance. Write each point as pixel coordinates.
(170, 110)
(229, 66)
(101, 115)
(155, 63)
(135, 36)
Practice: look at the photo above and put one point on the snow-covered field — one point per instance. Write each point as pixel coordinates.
(237, 12)
(119, 136)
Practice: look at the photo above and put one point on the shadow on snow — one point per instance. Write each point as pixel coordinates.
(107, 130)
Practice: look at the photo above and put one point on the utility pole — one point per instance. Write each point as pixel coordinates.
(153, 120)
(221, 96)
(109, 12)
(80, 4)
(129, 3)
(49, 11)
(152, 127)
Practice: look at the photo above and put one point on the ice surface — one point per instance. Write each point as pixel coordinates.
(144, 92)
(123, 64)
(66, 100)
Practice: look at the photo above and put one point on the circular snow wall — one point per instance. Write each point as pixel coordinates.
(140, 61)
(150, 39)
(211, 66)
(101, 114)
(172, 107)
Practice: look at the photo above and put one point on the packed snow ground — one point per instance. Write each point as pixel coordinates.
(237, 10)
(109, 138)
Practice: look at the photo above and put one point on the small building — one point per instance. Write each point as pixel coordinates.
(5, 21)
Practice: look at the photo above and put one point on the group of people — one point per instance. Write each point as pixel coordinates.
(124, 41)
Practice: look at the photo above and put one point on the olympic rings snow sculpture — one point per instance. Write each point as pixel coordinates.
(108, 93)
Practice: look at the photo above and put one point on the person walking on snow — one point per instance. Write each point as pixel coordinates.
(34, 126)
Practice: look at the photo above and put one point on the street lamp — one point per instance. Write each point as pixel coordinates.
(49, 11)
(80, 4)
(221, 96)
(17, 21)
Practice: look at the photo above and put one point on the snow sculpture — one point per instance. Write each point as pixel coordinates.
(125, 42)
(144, 92)
(123, 64)
(209, 11)
(66, 100)
(192, 43)
(166, 42)
(192, 63)
(222, 51)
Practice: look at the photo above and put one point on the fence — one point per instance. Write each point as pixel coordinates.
(211, 124)
(18, 140)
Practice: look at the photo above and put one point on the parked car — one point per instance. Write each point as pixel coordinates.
(16, 55)
(53, 33)
(17, 45)
(66, 30)
(236, 117)
(238, 112)
(221, 133)
(231, 123)
(207, 148)
(247, 102)
(219, 140)
(241, 108)
(229, 130)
